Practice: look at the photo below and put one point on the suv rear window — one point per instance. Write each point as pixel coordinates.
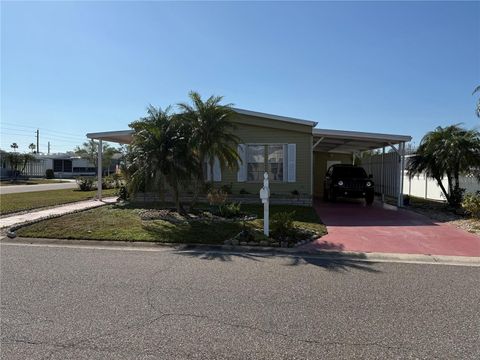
(354, 172)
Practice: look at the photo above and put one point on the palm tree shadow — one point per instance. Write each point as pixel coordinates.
(335, 261)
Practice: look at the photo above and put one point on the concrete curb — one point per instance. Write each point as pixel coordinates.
(254, 250)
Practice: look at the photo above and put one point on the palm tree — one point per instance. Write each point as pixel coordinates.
(32, 147)
(161, 150)
(477, 111)
(447, 152)
(212, 133)
(14, 146)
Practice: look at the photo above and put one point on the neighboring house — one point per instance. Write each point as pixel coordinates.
(294, 153)
(64, 166)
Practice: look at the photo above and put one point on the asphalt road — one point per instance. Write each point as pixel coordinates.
(67, 303)
(13, 189)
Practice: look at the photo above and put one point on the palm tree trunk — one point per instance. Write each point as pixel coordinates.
(196, 184)
(212, 161)
(445, 192)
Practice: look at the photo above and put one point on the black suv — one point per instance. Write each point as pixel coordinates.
(348, 181)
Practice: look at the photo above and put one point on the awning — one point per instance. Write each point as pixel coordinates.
(121, 137)
(340, 141)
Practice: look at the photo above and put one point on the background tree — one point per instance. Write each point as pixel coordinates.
(14, 146)
(89, 151)
(32, 148)
(16, 162)
(161, 151)
(447, 152)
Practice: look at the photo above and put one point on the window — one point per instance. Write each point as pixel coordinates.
(57, 165)
(275, 162)
(255, 162)
(261, 158)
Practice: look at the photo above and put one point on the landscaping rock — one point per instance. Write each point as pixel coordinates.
(235, 242)
(228, 242)
(243, 243)
(264, 243)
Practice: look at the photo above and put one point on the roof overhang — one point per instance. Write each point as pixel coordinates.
(276, 117)
(340, 141)
(121, 137)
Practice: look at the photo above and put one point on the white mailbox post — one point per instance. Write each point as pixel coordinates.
(264, 196)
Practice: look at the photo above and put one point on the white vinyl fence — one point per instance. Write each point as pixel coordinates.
(427, 188)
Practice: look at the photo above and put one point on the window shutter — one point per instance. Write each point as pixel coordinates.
(209, 172)
(242, 166)
(292, 162)
(285, 162)
(217, 170)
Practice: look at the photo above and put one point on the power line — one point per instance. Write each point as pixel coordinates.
(68, 137)
(39, 127)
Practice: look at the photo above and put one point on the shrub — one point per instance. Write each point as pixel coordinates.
(282, 226)
(227, 188)
(456, 197)
(231, 210)
(85, 183)
(49, 174)
(217, 197)
(243, 191)
(471, 204)
(122, 193)
(295, 193)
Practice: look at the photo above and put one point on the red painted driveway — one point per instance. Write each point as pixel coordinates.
(353, 226)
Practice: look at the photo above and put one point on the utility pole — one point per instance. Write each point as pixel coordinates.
(48, 148)
(38, 141)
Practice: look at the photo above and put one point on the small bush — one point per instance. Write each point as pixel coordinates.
(281, 225)
(295, 193)
(227, 188)
(122, 193)
(471, 204)
(243, 191)
(85, 183)
(49, 174)
(217, 197)
(229, 211)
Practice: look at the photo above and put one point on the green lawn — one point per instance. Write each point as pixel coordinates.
(124, 223)
(31, 182)
(10, 203)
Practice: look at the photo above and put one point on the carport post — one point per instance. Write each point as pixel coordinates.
(99, 175)
(382, 184)
(401, 148)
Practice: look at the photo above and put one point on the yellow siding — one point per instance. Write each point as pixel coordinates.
(264, 131)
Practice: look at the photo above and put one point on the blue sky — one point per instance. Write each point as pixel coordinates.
(70, 67)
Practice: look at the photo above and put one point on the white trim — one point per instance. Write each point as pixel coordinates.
(342, 134)
(275, 117)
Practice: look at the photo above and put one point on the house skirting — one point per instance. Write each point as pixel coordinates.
(244, 199)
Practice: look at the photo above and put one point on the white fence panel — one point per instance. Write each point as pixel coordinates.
(427, 188)
(386, 181)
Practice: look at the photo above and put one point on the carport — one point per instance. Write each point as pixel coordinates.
(338, 146)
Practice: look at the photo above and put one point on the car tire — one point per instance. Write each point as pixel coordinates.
(369, 199)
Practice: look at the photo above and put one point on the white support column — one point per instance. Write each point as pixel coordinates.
(401, 148)
(382, 185)
(99, 175)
